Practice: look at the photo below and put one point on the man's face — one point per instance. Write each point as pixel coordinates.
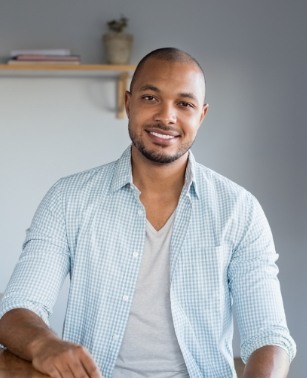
(165, 109)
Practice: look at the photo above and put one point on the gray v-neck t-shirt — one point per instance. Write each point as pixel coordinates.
(150, 347)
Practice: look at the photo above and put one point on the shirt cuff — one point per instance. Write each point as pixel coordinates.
(284, 341)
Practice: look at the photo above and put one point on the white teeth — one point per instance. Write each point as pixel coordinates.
(163, 136)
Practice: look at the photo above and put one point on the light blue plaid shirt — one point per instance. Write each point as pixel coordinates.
(91, 225)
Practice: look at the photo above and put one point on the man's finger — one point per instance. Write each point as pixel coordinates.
(54, 373)
(90, 366)
(82, 364)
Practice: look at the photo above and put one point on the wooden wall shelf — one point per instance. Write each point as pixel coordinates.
(121, 72)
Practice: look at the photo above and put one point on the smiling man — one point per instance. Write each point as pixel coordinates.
(159, 249)
(165, 108)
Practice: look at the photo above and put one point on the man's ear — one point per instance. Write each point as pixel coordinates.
(127, 102)
(204, 112)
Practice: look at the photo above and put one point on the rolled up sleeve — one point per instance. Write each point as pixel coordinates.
(44, 262)
(255, 287)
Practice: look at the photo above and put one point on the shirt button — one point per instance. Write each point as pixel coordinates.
(140, 212)
(115, 337)
(135, 254)
(125, 298)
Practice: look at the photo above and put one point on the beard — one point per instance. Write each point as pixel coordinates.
(159, 157)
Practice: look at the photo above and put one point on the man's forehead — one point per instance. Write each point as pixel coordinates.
(155, 71)
(161, 69)
(166, 64)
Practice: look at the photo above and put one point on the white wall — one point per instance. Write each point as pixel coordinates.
(254, 55)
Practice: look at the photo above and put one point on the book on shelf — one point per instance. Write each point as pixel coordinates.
(43, 57)
(58, 52)
(39, 62)
(27, 57)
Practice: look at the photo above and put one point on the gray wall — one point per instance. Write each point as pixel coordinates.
(255, 58)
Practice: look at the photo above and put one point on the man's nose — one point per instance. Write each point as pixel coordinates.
(166, 114)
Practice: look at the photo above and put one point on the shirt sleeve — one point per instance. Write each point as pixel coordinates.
(255, 287)
(44, 262)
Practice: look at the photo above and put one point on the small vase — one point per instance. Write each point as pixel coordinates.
(117, 47)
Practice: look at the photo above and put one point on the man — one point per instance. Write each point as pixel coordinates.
(158, 248)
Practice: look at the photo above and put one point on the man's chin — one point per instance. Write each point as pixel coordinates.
(160, 154)
(160, 158)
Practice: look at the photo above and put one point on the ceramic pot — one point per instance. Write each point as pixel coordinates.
(117, 47)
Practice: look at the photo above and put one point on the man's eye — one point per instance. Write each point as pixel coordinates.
(186, 104)
(148, 98)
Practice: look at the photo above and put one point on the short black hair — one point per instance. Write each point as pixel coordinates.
(170, 54)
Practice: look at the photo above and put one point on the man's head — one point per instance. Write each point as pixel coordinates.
(170, 54)
(165, 105)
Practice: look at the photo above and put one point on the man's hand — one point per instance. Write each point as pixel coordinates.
(61, 359)
(27, 336)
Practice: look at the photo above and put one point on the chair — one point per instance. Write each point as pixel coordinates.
(239, 365)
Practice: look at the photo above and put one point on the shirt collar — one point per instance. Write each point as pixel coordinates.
(190, 176)
(123, 173)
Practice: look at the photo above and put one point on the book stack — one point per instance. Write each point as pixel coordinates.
(49, 56)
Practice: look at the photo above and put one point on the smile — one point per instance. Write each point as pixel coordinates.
(162, 136)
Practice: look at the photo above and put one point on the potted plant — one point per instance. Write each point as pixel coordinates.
(117, 43)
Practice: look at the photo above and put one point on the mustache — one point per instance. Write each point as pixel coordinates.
(160, 126)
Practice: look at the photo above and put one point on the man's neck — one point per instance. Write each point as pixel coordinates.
(160, 186)
(157, 177)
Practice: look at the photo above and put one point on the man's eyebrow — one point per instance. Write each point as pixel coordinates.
(149, 87)
(188, 95)
(153, 88)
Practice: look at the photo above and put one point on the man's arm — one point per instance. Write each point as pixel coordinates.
(26, 335)
(254, 284)
(267, 362)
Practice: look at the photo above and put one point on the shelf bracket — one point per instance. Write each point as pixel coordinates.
(121, 89)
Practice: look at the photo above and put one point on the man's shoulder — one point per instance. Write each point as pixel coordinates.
(101, 175)
(209, 178)
(88, 183)
(223, 195)
(89, 175)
